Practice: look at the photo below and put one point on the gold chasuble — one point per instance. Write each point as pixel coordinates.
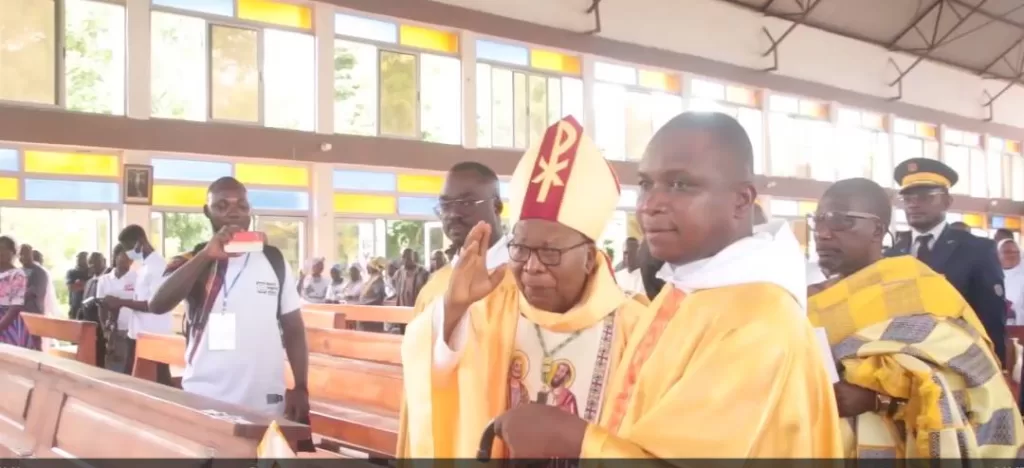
(723, 365)
(902, 330)
(435, 288)
(506, 352)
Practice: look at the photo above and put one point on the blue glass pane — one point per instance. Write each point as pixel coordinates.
(73, 191)
(213, 7)
(498, 52)
(180, 169)
(503, 190)
(416, 206)
(8, 159)
(998, 222)
(364, 180)
(278, 200)
(374, 30)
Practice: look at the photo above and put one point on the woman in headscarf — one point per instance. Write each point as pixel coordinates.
(1013, 281)
(373, 292)
(374, 288)
(335, 293)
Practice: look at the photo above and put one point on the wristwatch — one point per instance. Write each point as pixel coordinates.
(886, 404)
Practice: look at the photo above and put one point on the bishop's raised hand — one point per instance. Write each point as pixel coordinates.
(470, 280)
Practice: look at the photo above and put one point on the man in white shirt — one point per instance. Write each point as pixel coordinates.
(628, 275)
(136, 245)
(243, 315)
(117, 284)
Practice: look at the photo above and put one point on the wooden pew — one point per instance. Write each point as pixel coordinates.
(353, 401)
(364, 346)
(322, 318)
(53, 407)
(82, 334)
(362, 313)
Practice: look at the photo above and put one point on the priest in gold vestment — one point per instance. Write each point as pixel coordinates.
(470, 195)
(725, 363)
(541, 335)
(920, 378)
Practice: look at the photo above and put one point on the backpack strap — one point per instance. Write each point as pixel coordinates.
(276, 260)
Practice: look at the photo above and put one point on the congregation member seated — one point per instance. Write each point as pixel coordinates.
(314, 287)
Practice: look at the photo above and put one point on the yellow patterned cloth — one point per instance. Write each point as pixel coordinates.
(900, 329)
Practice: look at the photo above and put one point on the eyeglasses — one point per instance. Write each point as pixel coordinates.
(924, 196)
(838, 221)
(448, 206)
(548, 256)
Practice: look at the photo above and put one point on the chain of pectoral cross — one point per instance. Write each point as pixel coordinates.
(549, 360)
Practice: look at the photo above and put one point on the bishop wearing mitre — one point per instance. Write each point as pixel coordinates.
(540, 334)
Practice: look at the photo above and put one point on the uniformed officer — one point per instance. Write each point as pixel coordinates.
(969, 262)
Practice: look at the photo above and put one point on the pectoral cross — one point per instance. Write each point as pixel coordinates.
(545, 375)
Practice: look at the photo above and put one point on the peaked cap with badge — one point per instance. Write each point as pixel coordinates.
(924, 172)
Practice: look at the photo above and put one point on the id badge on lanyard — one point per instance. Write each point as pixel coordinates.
(221, 327)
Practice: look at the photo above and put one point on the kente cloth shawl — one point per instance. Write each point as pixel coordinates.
(900, 329)
(446, 413)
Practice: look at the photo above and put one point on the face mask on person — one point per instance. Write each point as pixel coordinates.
(135, 255)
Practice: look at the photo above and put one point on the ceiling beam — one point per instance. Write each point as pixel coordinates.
(913, 23)
(942, 40)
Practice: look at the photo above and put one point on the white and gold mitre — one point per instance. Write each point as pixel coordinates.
(565, 178)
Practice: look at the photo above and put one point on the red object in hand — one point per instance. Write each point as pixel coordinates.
(245, 241)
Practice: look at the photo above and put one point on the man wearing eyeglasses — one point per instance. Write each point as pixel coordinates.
(535, 347)
(918, 373)
(470, 196)
(969, 262)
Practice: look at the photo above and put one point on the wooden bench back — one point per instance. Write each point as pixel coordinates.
(78, 332)
(341, 379)
(364, 346)
(363, 313)
(323, 319)
(55, 407)
(355, 402)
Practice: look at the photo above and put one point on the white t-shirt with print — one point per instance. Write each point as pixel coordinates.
(121, 288)
(149, 278)
(251, 374)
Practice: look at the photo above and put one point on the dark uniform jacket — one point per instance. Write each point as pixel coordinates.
(970, 263)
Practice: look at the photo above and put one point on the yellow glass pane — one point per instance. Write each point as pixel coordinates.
(47, 162)
(8, 188)
(179, 195)
(872, 120)
(554, 61)
(363, 204)
(504, 211)
(1012, 146)
(27, 52)
(742, 96)
(974, 220)
(266, 174)
(430, 39)
(807, 207)
(419, 183)
(668, 82)
(925, 130)
(284, 14)
(813, 109)
(1012, 222)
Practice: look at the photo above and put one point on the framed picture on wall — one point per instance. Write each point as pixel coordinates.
(137, 185)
